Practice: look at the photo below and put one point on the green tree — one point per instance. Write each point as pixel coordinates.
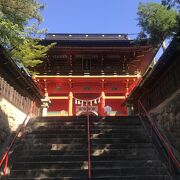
(14, 16)
(30, 52)
(19, 11)
(17, 36)
(171, 3)
(157, 22)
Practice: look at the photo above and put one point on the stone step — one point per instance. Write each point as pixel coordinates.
(94, 157)
(94, 164)
(128, 171)
(78, 138)
(50, 165)
(52, 146)
(81, 151)
(60, 125)
(108, 117)
(44, 173)
(124, 152)
(44, 158)
(118, 135)
(93, 136)
(125, 163)
(139, 131)
(119, 140)
(84, 146)
(83, 173)
(54, 140)
(135, 177)
(117, 157)
(92, 119)
(53, 122)
(76, 123)
(78, 126)
(93, 130)
(113, 127)
(117, 123)
(94, 133)
(144, 177)
(105, 151)
(65, 122)
(116, 118)
(60, 119)
(58, 131)
(116, 126)
(51, 152)
(110, 132)
(121, 145)
(61, 128)
(45, 135)
(98, 142)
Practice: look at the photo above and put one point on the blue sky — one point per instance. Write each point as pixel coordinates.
(91, 16)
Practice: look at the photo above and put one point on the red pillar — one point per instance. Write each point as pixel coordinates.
(102, 105)
(70, 97)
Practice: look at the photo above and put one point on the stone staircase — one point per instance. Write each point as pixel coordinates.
(121, 149)
(56, 148)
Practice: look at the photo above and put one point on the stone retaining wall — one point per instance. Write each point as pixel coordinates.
(167, 115)
(4, 127)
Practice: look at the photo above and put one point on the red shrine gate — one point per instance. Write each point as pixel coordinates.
(95, 70)
(75, 93)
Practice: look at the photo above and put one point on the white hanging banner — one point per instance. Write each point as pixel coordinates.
(91, 103)
(95, 101)
(98, 100)
(76, 102)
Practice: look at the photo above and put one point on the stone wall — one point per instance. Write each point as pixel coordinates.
(4, 127)
(15, 116)
(13, 109)
(167, 115)
(10, 119)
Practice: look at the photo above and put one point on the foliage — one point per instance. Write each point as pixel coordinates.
(14, 15)
(30, 52)
(171, 3)
(157, 22)
(17, 36)
(19, 11)
(9, 33)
